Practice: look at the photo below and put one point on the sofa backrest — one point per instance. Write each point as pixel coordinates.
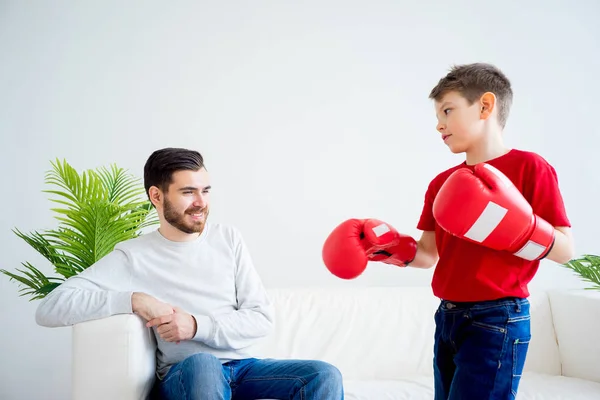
(378, 332)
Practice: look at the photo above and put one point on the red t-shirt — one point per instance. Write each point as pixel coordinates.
(471, 272)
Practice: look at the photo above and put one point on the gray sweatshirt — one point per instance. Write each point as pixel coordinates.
(212, 278)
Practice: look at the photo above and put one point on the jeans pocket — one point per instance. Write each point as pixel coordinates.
(489, 327)
(492, 319)
(519, 352)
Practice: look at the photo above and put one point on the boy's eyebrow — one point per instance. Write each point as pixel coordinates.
(193, 188)
(444, 104)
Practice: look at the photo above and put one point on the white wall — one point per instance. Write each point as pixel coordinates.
(306, 114)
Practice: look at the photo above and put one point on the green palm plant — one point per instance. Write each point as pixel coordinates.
(96, 210)
(588, 268)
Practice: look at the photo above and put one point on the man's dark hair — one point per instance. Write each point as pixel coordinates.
(161, 165)
(472, 81)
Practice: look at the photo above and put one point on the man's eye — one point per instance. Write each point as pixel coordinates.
(206, 191)
(187, 192)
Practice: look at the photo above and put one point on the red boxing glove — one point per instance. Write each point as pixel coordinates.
(355, 242)
(485, 207)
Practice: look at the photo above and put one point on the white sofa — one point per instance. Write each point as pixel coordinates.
(381, 339)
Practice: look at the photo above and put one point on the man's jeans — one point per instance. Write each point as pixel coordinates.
(202, 376)
(480, 349)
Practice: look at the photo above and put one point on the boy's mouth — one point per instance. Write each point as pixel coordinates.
(444, 137)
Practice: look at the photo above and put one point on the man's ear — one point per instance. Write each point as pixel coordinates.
(155, 195)
(487, 103)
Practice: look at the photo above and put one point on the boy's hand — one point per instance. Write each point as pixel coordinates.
(387, 245)
(355, 242)
(485, 207)
(149, 307)
(175, 327)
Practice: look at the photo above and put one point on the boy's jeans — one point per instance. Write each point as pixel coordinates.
(203, 377)
(480, 349)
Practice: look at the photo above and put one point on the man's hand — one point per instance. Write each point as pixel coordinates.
(149, 307)
(175, 327)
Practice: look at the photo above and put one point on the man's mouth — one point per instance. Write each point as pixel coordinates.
(197, 214)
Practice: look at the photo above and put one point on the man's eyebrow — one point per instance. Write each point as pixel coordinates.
(193, 188)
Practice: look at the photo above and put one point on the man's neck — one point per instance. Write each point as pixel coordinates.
(175, 235)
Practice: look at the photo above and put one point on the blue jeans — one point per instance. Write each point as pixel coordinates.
(202, 376)
(480, 349)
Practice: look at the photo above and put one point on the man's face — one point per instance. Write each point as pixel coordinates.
(458, 122)
(186, 204)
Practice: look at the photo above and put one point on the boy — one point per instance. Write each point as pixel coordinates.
(487, 234)
(482, 324)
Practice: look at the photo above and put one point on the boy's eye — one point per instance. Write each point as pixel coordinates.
(446, 111)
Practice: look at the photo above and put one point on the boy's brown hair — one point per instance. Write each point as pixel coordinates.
(472, 81)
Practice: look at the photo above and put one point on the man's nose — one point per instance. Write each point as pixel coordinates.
(200, 201)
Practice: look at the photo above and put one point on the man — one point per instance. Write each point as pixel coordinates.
(195, 284)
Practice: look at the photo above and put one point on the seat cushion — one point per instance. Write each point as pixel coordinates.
(534, 386)
(390, 330)
(408, 388)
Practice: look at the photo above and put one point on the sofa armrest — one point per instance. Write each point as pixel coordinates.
(576, 315)
(113, 358)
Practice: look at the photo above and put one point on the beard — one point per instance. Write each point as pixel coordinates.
(179, 221)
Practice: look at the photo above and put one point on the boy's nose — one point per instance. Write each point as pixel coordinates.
(441, 127)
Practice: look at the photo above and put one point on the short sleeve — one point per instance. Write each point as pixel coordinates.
(427, 220)
(544, 195)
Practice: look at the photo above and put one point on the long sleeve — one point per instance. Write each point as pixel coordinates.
(97, 292)
(254, 316)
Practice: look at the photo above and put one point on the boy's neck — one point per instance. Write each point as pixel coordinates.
(486, 150)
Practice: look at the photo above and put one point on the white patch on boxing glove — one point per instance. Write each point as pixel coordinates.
(486, 223)
(381, 230)
(531, 251)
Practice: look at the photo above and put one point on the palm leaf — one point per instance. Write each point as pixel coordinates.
(35, 283)
(122, 188)
(96, 210)
(39, 241)
(588, 268)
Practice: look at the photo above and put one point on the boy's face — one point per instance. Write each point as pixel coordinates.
(459, 123)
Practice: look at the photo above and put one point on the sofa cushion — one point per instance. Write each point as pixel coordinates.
(379, 332)
(543, 355)
(577, 321)
(534, 386)
(368, 333)
(408, 388)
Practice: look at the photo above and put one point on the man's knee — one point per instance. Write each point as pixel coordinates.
(202, 360)
(328, 375)
(199, 376)
(202, 367)
(329, 370)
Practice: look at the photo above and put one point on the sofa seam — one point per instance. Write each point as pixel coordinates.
(560, 358)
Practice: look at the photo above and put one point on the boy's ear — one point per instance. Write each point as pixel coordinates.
(487, 104)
